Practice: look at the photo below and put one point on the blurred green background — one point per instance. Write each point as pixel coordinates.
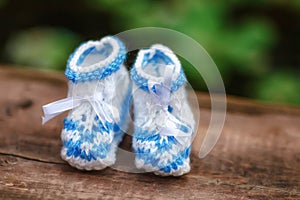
(255, 43)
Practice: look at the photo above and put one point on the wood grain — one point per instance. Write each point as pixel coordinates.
(257, 156)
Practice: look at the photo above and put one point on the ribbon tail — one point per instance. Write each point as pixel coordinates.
(99, 112)
(113, 114)
(174, 127)
(48, 117)
(105, 112)
(53, 109)
(170, 131)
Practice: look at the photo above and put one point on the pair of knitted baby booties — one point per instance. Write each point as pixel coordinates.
(100, 93)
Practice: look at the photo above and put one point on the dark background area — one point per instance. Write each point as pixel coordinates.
(255, 44)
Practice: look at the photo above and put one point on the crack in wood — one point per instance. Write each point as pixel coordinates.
(31, 158)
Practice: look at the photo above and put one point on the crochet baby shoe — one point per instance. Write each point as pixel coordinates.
(99, 91)
(163, 121)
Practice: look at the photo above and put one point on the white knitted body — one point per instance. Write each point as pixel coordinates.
(115, 90)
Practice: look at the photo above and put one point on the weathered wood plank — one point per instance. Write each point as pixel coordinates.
(257, 156)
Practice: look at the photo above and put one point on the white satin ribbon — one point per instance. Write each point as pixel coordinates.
(105, 111)
(162, 97)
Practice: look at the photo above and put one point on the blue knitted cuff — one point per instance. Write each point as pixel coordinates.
(100, 71)
(142, 82)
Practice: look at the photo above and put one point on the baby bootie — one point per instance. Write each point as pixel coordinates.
(99, 91)
(163, 121)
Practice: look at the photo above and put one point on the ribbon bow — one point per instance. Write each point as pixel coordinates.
(104, 111)
(161, 96)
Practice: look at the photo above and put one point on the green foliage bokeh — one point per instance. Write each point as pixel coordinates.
(240, 49)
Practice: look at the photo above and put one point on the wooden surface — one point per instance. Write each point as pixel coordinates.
(257, 156)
